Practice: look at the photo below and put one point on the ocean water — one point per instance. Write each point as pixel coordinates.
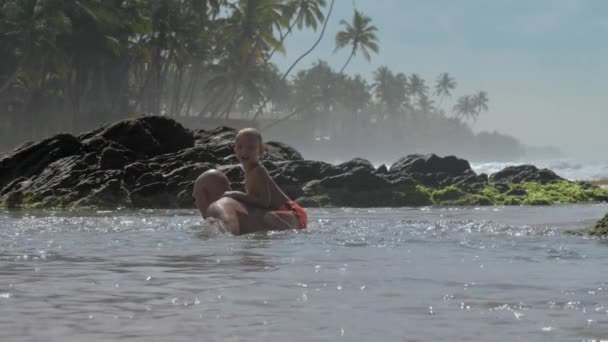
(569, 169)
(566, 168)
(466, 274)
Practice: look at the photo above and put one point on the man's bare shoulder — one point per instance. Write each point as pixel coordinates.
(237, 217)
(226, 204)
(214, 210)
(229, 211)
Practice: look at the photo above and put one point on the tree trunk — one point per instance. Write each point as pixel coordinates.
(347, 61)
(284, 77)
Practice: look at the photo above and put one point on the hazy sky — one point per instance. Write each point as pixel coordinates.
(543, 62)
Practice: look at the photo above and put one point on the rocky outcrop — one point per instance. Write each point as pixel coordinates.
(362, 187)
(152, 162)
(435, 172)
(31, 159)
(525, 173)
(601, 228)
(146, 136)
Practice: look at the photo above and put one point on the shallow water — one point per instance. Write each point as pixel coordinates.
(491, 274)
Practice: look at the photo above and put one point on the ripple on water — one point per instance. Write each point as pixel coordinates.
(466, 273)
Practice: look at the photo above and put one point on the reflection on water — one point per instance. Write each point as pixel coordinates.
(410, 274)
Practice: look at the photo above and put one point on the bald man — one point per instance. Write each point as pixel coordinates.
(238, 218)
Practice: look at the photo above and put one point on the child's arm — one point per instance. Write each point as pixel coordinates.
(261, 195)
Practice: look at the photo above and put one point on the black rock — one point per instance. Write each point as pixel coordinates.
(32, 158)
(470, 182)
(90, 181)
(110, 195)
(154, 195)
(113, 159)
(134, 171)
(525, 173)
(431, 170)
(357, 180)
(187, 173)
(234, 172)
(362, 188)
(351, 165)
(276, 151)
(425, 164)
(382, 170)
(146, 136)
(149, 178)
(220, 141)
(305, 171)
(601, 228)
(152, 162)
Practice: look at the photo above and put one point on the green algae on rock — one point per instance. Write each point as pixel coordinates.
(601, 228)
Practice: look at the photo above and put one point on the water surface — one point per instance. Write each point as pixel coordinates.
(493, 274)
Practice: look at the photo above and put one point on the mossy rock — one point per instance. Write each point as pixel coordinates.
(511, 200)
(449, 194)
(19, 200)
(494, 195)
(54, 202)
(597, 194)
(477, 200)
(419, 196)
(537, 200)
(564, 192)
(424, 194)
(490, 192)
(601, 228)
(517, 190)
(320, 201)
(532, 193)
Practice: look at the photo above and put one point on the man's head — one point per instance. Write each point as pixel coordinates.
(208, 188)
(248, 146)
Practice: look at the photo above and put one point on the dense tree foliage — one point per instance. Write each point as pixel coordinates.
(70, 65)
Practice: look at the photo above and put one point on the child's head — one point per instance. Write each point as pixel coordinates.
(248, 146)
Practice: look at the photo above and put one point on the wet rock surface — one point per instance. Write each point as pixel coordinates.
(601, 228)
(152, 162)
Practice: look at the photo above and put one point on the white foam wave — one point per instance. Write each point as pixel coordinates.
(565, 168)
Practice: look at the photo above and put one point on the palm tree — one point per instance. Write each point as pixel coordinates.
(389, 89)
(360, 35)
(417, 86)
(307, 8)
(29, 30)
(250, 28)
(444, 85)
(466, 108)
(300, 14)
(354, 94)
(307, 13)
(314, 93)
(325, 21)
(480, 101)
(383, 78)
(425, 104)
